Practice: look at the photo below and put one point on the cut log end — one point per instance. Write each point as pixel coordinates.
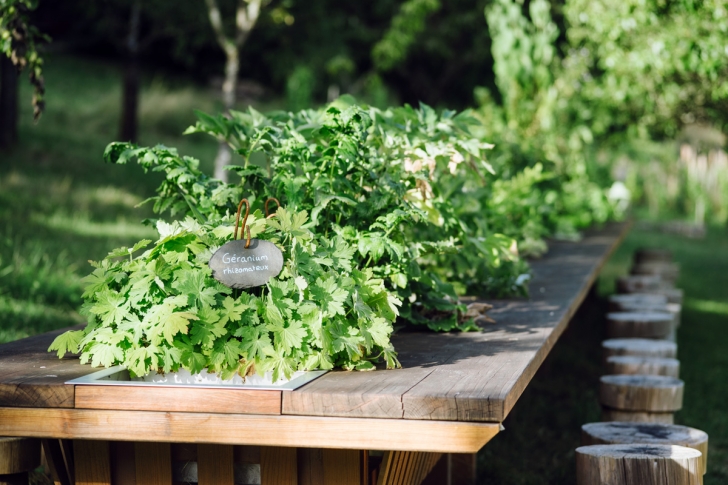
(641, 393)
(638, 463)
(639, 347)
(613, 432)
(657, 325)
(633, 364)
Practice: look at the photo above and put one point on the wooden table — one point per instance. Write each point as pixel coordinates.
(450, 397)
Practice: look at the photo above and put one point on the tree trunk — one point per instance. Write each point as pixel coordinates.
(229, 89)
(8, 102)
(130, 92)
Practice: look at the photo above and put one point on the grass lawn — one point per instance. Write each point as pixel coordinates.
(542, 431)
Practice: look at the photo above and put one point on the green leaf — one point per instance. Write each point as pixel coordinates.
(67, 342)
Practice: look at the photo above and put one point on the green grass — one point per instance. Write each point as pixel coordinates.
(61, 205)
(542, 431)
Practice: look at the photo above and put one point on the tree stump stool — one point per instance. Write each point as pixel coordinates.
(638, 464)
(640, 347)
(641, 284)
(669, 272)
(674, 295)
(626, 301)
(640, 398)
(646, 302)
(653, 325)
(635, 365)
(18, 456)
(652, 255)
(615, 433)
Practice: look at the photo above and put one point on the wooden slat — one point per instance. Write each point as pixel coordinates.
(342, 467)
(471, 376)
(278, 466)
(232, 401)
(91, 462)
(123, 463)
(215, 465)
(60, 473)
(153, 463)
(31, 376)
(310, 466)
(407, 467)
(297, 431)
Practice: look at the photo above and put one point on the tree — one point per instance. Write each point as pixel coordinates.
(246, 16)
(18, 43)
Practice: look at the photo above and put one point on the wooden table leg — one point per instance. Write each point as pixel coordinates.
(278, 466)
(406, 467)
(56, 464)
(215, 465)
(91, 462)
(463, 468)
(153, 463)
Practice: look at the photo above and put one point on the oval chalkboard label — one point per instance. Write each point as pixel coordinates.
(237, 267)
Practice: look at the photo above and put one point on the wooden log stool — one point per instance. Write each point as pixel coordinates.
(640, 325)
(669, 272)
(615, 433)
(645, 302)
(627, 301)
(638, 464)
(18, 456)
(633, 365)
(640, 347)
(641, 284)
(640, 398)
(652, 255)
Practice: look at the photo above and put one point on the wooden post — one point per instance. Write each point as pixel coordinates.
(278, 466)
(153, 463)
(92, 462)
(641, 394)
(638, 465)
(215, 465)
(631, 364)
(639, 347)
(639, 325)
(406, 467)
(613, 433)
(18, 456)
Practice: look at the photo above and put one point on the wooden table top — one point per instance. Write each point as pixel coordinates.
(451, 381)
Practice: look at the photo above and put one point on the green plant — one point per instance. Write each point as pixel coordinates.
(370, 176)
(162, 310)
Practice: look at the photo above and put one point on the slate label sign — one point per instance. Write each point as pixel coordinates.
(237, 267)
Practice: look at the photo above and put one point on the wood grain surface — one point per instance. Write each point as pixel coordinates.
(31, 376)
(472, 376)
(182, 399)
(246, 429)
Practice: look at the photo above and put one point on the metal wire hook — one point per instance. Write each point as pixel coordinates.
(278, 204)
(245, 221)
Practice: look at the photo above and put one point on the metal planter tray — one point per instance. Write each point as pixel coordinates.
(119, 376)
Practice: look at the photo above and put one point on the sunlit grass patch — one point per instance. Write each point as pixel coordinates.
(23, 318)
(81, 224)
(707, 306)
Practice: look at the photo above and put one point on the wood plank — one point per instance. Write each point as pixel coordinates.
(215, 465)
(91, 462)
(54, 457)
(296, 431)
(31, 376)
(180, 399)
(278, 466)
(472, 376)
(342, 467)
(153, 463)
(123, 463)
(310, 466)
